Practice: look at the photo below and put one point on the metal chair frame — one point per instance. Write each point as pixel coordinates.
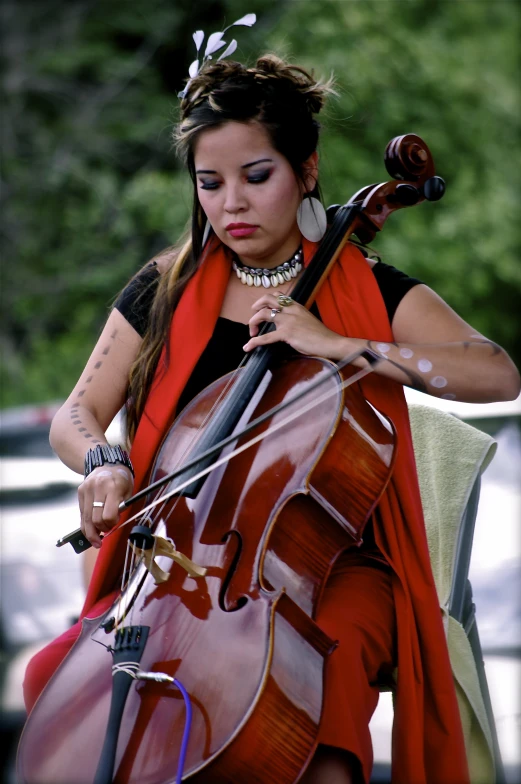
(463, 610)
(461, 607)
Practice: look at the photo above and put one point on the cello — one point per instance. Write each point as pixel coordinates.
(214, 623)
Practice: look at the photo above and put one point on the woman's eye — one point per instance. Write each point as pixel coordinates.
(259, 176)
(211, 185)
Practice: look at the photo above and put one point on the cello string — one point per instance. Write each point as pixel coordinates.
(141, 558)
(228, 388)
(169, 492)
(125, 579)
(370, 356)
(124, 583)
(151, 520)
(192, 443)
(374, 361)
(272, 429)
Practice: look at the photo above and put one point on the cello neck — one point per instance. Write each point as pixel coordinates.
(334, 240)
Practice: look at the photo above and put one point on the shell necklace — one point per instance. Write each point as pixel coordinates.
(258, 276)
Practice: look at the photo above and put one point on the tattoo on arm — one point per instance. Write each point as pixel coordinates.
(75, 417)
(496, 349)
(483, 342)
(494, 346)
(416, 381)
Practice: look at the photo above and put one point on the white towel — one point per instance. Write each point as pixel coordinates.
(450, 455)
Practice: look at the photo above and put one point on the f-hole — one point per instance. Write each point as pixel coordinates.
(223, 604)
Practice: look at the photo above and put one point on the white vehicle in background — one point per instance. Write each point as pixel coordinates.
(42, 587)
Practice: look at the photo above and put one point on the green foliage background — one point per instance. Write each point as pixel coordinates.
(91, 187)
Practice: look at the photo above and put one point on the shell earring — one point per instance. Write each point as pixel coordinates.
(312, 219)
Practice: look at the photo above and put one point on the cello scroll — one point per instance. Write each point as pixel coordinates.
(409, 161)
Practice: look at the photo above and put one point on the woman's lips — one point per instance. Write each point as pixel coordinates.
(241, 229)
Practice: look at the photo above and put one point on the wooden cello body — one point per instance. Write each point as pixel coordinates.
(242, 639)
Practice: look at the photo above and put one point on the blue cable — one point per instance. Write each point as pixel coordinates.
(186, 733)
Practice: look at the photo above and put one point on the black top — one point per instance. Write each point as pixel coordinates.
(224, 352)
(135, 300)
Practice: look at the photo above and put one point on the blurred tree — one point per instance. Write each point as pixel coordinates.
(91, 187)
(449, 72)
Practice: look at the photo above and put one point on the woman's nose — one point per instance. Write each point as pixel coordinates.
(235, 200)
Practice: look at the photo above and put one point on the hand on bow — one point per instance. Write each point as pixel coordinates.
(296, 326)
(100, 496)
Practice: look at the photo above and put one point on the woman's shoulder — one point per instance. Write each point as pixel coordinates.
(393, 283)
(164, 260)
(135, 301)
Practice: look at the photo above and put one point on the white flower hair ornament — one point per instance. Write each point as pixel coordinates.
(214, 43)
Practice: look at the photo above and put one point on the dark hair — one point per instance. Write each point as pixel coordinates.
(283, 98)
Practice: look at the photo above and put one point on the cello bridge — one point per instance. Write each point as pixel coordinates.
(167, 548)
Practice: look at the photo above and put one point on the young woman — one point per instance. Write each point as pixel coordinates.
(249, 138)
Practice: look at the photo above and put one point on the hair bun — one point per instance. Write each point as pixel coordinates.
(294, 79)
(282, 97)
(270, 71)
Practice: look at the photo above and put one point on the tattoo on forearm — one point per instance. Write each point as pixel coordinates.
(76, 421)
(416, 381)
(494, 346)
(496, 349)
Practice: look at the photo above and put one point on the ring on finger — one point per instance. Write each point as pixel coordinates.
(99, 504)
(284, 300)
(274, 312)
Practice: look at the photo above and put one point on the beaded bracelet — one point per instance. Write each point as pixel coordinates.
(102, 454)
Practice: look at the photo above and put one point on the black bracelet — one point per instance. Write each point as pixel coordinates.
(102, 454)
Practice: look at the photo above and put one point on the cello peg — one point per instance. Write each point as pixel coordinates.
(434, 188)
(407, 194)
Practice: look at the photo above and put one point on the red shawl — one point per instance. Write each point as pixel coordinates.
(428, 746)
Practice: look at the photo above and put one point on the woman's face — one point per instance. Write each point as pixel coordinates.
(249, 192)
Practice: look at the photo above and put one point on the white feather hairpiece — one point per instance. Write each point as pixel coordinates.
(214, 43)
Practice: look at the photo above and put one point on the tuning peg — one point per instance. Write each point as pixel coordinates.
(406, 194)
(434, 188)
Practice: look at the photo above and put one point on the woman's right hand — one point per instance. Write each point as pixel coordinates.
(108, 485)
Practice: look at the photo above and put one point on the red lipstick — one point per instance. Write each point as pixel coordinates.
(241, 229)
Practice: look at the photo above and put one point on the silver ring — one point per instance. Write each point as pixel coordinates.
(274, 312)
(99, 504)
(284, 300)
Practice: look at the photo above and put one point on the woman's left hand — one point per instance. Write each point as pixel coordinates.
(297, 327)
